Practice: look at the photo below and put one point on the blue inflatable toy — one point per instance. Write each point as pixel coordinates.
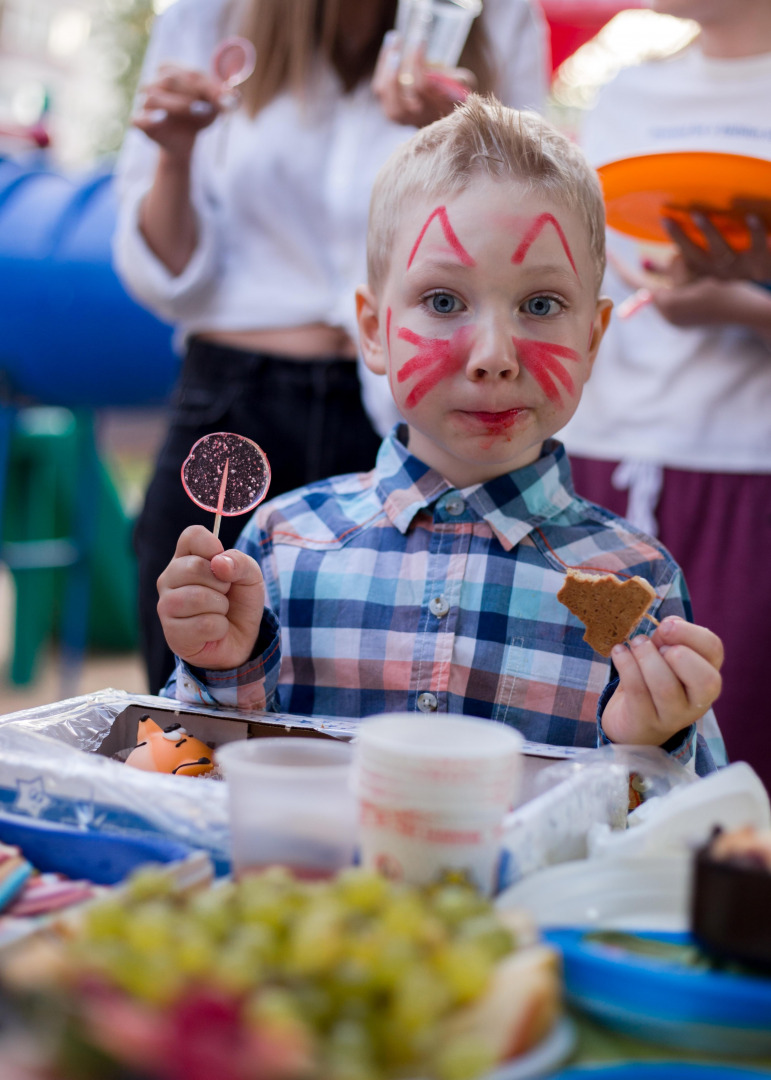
(71, 335)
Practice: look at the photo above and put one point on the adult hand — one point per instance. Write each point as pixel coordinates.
(685, 300)
(210, 602)
(666, 682)
(176, 106)
(718, 259)
(420, 95)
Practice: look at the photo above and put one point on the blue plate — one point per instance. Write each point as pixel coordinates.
(663, 999)
(665, 1070)
(104, 858)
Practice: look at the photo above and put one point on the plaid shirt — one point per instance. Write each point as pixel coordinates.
(396, 592)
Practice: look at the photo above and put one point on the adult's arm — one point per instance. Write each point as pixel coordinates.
(167, 269)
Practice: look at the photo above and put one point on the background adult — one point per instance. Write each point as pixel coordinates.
(675, 430)
(248, 233)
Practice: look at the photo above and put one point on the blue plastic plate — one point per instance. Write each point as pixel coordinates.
(104, 858)
(664, 1070)
(664, 1000)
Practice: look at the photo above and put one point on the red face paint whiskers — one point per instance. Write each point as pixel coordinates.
(532, 235)
(540, 359)
(435, 359)
(449, 235)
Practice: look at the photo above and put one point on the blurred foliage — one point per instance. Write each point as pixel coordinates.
(121, 30)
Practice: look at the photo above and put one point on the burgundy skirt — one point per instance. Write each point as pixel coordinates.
(718, 528)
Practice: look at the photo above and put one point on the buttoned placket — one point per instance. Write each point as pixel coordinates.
(445, 571)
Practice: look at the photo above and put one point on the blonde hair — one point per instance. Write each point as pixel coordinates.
(289, 36)
(482, 137)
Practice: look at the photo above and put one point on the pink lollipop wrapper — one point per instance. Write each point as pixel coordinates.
(248, 473)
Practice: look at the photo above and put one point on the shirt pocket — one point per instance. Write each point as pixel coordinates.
(541, 684)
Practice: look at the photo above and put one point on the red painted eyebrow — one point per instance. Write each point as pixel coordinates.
(449, 235)
(532, 234)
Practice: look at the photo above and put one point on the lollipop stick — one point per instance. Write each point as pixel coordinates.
(221, 499)
(629, 307)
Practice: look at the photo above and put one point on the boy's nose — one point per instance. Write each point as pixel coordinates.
(493, 354)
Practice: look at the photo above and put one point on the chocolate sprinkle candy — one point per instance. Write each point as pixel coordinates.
(248, 473)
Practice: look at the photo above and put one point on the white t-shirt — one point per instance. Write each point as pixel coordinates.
(282, 199)
(688, 398)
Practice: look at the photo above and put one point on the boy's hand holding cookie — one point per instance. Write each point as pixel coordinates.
(211, 602)
(667, 681)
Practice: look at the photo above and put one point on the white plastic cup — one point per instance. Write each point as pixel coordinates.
(437, 29)
(433, 793)
(290, 803)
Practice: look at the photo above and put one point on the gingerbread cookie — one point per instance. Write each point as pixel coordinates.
(608, 607)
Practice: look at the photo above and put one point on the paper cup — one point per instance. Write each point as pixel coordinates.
(432, 794)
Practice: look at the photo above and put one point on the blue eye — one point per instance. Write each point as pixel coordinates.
(444, 303)
(542, 305)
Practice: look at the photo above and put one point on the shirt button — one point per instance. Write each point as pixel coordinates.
(438, 606)
(455, 505)
(427, 702)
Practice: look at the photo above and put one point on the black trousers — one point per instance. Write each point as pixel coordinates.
(306, 415)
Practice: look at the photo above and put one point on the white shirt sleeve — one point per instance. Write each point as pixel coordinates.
(184, 34)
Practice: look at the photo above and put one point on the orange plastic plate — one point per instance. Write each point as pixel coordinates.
(640, 191)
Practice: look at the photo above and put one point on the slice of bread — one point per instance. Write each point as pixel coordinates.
(520, 1007)
(608, 607)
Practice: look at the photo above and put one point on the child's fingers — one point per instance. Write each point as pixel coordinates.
(676, 631)
(196, 540)
(632, 681)
(699, 678)
(667, 693)
(236, 568)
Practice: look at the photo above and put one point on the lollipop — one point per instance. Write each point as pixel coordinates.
(227, 474)
(233, 61)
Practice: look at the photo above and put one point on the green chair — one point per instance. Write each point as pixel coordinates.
(66, 541)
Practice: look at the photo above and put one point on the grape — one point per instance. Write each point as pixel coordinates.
(214, 912)
(195, 952)
(150, 979)
(454, 903)
(105, 920)
(351, 978)
(488, 932)
(465, 968)
(150, 927)
(149, 883)
(316, 940)
(362, 890)
(348, 1053)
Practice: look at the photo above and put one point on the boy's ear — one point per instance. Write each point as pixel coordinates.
(369, 330)
(599, 326)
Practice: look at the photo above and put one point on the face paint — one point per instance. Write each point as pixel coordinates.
(532, 234)
(449, 235)
(436, 357)
(540, 359)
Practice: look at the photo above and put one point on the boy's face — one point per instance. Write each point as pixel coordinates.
(487, 325)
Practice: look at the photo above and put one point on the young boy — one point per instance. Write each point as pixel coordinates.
(431, 583)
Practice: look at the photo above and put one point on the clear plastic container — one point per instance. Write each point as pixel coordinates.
(290, 803)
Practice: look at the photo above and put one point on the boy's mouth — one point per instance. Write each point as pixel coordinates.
(496, 420)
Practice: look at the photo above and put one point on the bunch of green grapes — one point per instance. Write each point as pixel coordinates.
(364, 969)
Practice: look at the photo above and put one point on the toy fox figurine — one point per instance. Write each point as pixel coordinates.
(169, 750)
